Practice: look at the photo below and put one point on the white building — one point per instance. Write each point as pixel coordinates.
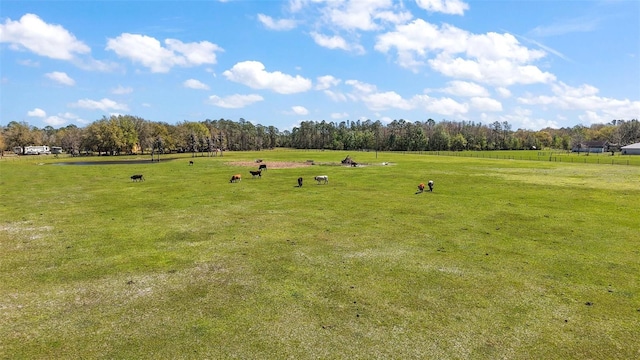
(633, 149)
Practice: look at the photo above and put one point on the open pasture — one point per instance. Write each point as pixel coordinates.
(547, 155)
(505, 259)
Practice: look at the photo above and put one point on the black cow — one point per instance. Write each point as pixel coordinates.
(256, 173)
(137, 177)
(299, 182)
(262, 167)
(190, 163)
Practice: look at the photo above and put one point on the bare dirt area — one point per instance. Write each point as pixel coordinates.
(272, 164)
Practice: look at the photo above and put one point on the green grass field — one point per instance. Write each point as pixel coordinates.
(506, 259)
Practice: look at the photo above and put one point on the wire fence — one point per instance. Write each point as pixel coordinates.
(567, 157)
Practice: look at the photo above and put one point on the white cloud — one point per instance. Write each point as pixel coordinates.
(597, 109)
(103, 104)
(385, 100)
(325, 82)
(253, 75)
(330, 42)
(282, 24)
(55, 120)
(121, 90)
(37, 112)
(149, 52)
(494, 72)
(234, 101)
(336, 96)
(521, 118)
(464, 88)
(35, 35)
(29, 63)
(361, 86)
(195, 84)
(342, 115)
(503, 92)
(61, 78)
(62, 119)
(442, 106)
(356, 15)
(485, 104)
(452, 7)
(582, 24)
(300, 110)
(491, 58)
(336, 42)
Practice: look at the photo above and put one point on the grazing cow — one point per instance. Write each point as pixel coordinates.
(430, 183)
(236, 178)
(354, 164)
(421, 187)
(322, 179)
(190, 163)
(299, 182)
(256, 173)
(262, 167)
(137, 177)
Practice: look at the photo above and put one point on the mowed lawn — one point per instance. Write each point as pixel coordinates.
(506, 259)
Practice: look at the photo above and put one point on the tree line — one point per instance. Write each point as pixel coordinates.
(127, 134)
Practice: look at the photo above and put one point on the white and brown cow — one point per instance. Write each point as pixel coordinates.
(322, 179)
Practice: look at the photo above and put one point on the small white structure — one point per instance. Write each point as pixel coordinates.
(633, 149)
(37, 150)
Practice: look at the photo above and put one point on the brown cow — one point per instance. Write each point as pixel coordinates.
(236, 178)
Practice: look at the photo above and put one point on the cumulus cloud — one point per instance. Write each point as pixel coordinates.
(280, 25)
(485, 104)
(465, 88)
(503, 92)
(342, 115)
(326, 82)
(491, 58)
(451, 7)
(121, 90)
(103, 104)
(442, 106)
(522, 119)
(62, 119)
(61, 78)
(356, 15)
(253, 75)
(300, 110)
(33, 34)
(55, 120)
(37, 112)
(234, 101)
(584, 98)
(150, 53)
(336, 42)
(493, 72)
(195, 84)
(335, 96)
(330, 42)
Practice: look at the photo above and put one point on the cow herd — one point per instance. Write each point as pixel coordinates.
(320, 179)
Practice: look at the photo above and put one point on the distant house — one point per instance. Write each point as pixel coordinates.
(591, 147)
(633, 149)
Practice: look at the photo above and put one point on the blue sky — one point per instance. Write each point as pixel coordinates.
(531, 63)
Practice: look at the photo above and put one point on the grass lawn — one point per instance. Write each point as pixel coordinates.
(505, 259)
